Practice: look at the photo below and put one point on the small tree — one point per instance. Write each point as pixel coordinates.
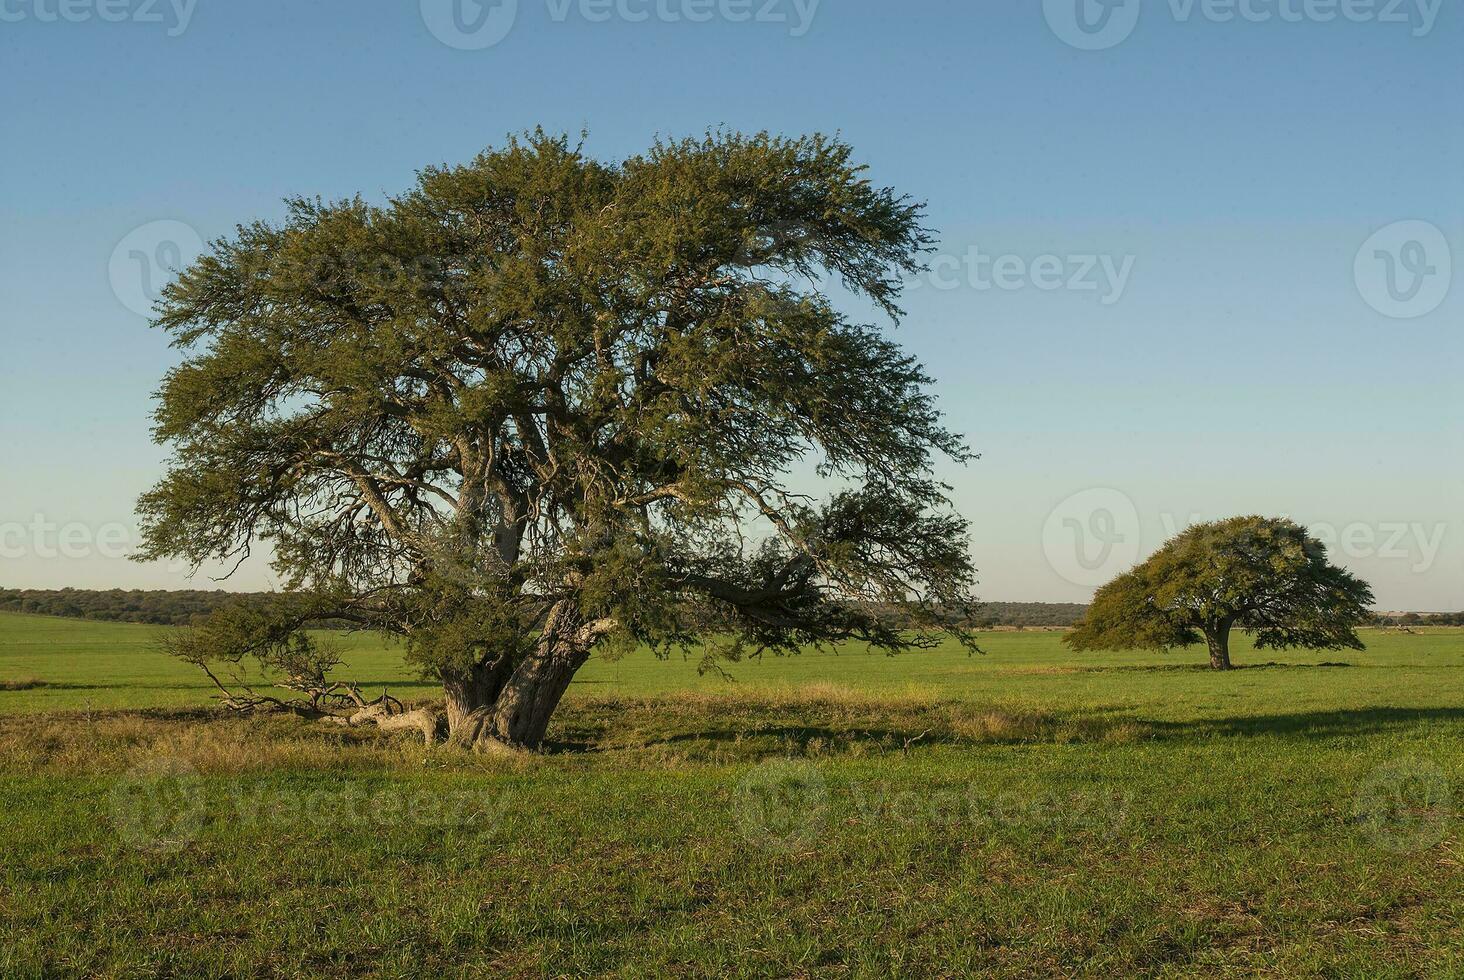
(541, 405)
(1266, 576)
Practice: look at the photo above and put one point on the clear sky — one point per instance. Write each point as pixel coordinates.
(1191, 295)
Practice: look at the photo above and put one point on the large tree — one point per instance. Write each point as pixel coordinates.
(1263, 575)
(540, 405)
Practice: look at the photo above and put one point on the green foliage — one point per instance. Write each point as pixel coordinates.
(450, 627)
(1263, 575)
(539, 379)
(268, 633)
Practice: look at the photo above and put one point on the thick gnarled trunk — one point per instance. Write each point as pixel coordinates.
(1218, 640)
(523, 708)
(464, 692)
(496, 707)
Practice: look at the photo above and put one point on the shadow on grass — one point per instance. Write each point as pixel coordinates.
(1310, 724)
(1195, 668)
(395, 684)
(23, 684)
(764, 740)
(817, 737)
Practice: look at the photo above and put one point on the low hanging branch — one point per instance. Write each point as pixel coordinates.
(305, 667)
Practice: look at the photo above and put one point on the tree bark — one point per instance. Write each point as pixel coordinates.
(468, 691)
(425, 720)
(523, 709)
(1218, 640)
(513, 708)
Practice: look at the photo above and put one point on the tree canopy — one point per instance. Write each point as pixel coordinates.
(1263, 575)
(540, 404)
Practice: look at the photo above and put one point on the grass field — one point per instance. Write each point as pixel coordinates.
(1026, 812)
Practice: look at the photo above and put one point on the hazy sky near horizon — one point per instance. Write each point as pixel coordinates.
(1205, 268)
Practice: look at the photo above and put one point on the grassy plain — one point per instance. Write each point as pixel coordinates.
(1026, 812)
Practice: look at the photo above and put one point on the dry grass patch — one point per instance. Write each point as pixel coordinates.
(210, 742)
(819, 721)
(822, 720)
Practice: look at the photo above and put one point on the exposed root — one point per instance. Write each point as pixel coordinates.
(432, 725)
(476, 733)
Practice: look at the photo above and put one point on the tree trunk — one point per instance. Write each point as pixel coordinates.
(466, 692)
(522, 711)
(514, 708)
(1218, 639)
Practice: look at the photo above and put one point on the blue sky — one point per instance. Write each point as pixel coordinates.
(1234, 169)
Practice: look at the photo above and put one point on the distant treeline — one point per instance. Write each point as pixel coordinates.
(1421, 619)
(181, 608)
(169, 608)
(1030, 614)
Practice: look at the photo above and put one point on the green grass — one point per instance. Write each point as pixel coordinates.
(1028, 812)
